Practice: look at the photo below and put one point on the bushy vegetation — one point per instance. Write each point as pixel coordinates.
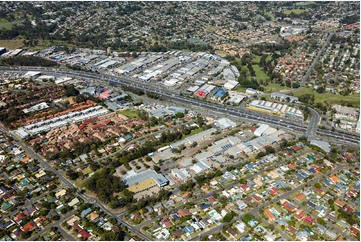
(27, 61)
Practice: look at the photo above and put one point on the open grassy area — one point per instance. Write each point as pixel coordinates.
(79, 183)
(256, 58)
(130, 113)
(12, 44)
(195, 131)
(274, 87)
(260, 74)
(295, 11)
(240, 89)
(221, 53)
(331, 98)
(271, 15)
(304, 3)
(43, 44)
(5, 24)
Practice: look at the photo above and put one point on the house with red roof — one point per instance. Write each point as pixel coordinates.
(300, 214)
(296, 148)
(339, 203)
(183, 213)
(212, 200)
(85, 234)
(349, 208)
(105, 95)
(244, 187)
(355, 229)
(291, 229)
(273, 191)
(257, 197)
(270, 215)
(288, 206)
(20, 217)
(252, 129)
(28, 227)
(300, 197)
(29, 211)
(39, 220)
(318, 191)
(165, 222)
(309, 220)
(292, 166)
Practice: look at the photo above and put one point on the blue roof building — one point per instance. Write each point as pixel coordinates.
(85, 212)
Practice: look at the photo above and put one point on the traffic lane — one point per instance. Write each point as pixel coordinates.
(162, 92)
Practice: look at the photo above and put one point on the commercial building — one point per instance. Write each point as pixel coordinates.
(193, 138)
(180, 174)
(60, 121)
(133, 178)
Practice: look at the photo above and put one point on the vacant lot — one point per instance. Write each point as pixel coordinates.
(130, 113)
(12, 44)
(274, 87)
(295, 11)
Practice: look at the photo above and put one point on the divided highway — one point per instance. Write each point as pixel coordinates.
(310, 130)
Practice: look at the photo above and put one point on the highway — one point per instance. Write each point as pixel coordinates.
(250, 116)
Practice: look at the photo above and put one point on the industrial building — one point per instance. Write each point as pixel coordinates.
(284, 97)
(275, 108)
(2, 50)
(163, 112)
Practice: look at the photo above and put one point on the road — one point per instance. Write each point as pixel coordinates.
(330, 225)
(285, 195)
(49, 226)
(248, 177)
(308, 73)
(127, 145)
(314, 121)
(65, 234)
(70, 185)
(236, 112)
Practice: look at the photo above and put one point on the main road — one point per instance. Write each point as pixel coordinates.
(241, 113)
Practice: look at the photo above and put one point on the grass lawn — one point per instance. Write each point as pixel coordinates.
(240, 89)
(295, 11)
(87, 171)
(331, 98)
(274, 87)
(304, 3)
(196, 131)
(6, 24)
(260, 74)
(256, 59)
(221, 53)
(79, 183)
(271, 15)
(12, 44)
(130, 113)
(43, 44)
